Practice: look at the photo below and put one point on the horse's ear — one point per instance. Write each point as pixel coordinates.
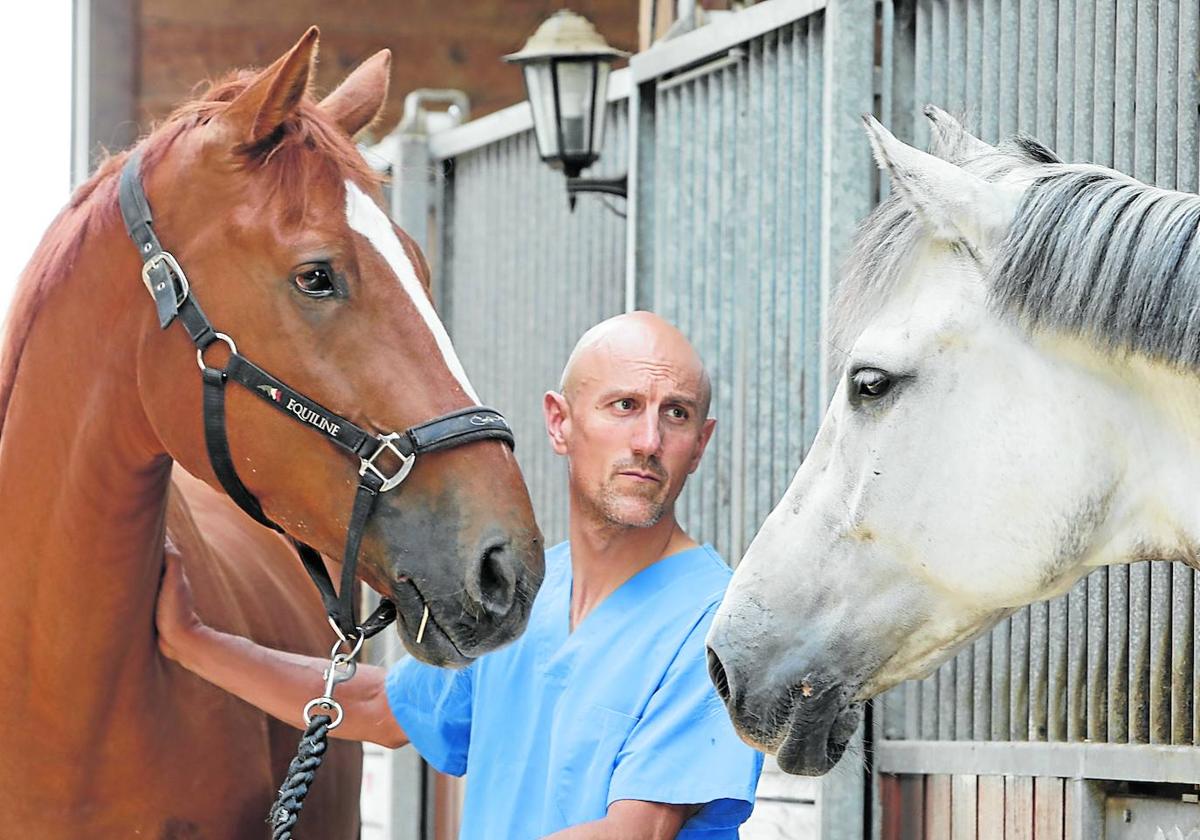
(360, 98)
(274, 94)
(954, 204)
(951, 141)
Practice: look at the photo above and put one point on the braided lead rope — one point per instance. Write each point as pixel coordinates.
(301, 772)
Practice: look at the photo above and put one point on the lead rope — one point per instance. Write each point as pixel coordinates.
(285, 811)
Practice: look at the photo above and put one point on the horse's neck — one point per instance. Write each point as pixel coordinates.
(83, 483)
(1158, 416)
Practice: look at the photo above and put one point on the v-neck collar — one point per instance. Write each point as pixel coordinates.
(642, 585)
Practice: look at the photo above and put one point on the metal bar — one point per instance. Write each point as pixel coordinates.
(1009, 24)
(1027, 61)
(1077, 635)
(1104, 81)
(1056, 693)
(989, 94)
(1084, 61)
(1188, 130)
(1146, 91)
(964, 695)
(1068, 760)
(1018, 704)
(1139, 653)
(1065, 127)
(929, 708)
(1118, 654)
(982, 689)
(973, 70)
(1183, 589)
(956, 55)
(1047, 73)
(717, 37)
(1039, 681)
(1167, 86)
(734, 56)
(946, 678)
(1000, 681)
(1160, 653)
(1097, 656)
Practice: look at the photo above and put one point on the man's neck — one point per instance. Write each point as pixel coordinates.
(604, 556)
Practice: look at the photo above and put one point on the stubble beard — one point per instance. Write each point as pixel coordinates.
(614, 507)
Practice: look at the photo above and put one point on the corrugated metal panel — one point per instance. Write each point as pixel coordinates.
(520, 279)
(1115, 82)
(737, 231)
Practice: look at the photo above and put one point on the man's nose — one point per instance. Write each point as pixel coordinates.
(647, 437)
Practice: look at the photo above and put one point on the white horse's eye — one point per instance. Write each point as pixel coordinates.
(871, 383)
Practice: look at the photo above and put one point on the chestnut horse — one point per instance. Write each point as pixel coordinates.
(260, 193)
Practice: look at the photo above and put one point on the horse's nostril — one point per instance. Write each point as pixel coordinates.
(494, 586)
(716, 672)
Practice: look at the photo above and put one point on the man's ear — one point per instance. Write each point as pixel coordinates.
(558, 420)
(706, 433)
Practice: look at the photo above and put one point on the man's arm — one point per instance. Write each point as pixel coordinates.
(631, 819)
(277, 682)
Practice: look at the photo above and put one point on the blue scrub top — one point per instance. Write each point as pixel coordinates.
(555, 727)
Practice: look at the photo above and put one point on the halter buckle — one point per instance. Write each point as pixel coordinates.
(165, 257)
(406, 462)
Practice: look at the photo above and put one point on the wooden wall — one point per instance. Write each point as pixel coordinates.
(942, 807)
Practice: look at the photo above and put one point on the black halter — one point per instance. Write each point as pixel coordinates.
(169, 287)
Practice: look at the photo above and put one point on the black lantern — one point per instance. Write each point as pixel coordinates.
(566, 65)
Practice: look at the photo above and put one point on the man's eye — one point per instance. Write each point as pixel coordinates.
(624, 404)
(677, 413)
(315, 281)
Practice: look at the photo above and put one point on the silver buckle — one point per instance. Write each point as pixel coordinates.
(173, 265)
(406, 462)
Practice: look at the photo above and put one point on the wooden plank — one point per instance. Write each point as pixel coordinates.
(964, 807)
(1047, 809)
(991, 807)
(1018, 808)
(891, 807)
(937, 807)
(902, 807)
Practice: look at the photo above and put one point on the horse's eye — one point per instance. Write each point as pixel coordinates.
(315, 281)
(871, 383)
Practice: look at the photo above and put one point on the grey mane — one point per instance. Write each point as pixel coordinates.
(1096, 254)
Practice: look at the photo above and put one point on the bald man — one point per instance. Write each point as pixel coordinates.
(600, 721)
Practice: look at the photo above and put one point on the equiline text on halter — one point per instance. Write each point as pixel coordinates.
(173, 298)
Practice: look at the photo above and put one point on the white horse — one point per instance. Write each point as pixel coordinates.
(1020, 403)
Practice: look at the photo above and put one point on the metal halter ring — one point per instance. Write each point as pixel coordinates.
(354, 644)
(173, 266)
(220, 337)
(406, 462)
(327, 703)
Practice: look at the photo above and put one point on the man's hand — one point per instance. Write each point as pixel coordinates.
(632, 819)
(175, 614)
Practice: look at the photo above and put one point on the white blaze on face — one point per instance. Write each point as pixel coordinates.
(365, 217)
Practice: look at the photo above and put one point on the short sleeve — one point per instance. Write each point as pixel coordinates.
(433, 707)
(684, 749)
